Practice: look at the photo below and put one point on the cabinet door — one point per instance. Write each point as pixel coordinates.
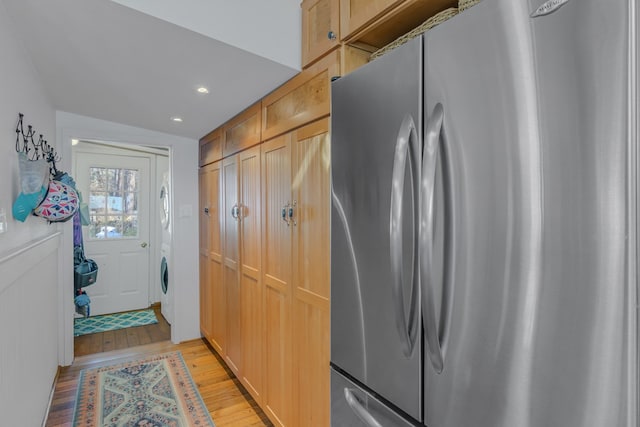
(242, 131)
(204, 212)
(355, 14)
(231, 264)
(277, 270)
(301, 100)
(216, 299)
(311, 190)
(320, 28)
(252, 316)
(211, 147)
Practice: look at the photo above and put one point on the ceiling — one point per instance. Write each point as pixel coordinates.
(101, 59)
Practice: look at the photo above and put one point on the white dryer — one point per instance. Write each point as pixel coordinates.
(166, 287)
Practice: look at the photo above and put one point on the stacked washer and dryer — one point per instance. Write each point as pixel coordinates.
(166, 288)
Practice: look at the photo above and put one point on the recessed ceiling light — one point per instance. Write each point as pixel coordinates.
(177, 119)
(202, 89)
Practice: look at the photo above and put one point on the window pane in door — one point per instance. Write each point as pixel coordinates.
(98, 179)
(130, 226)
(130, 180)
(97, 202)
(113, 195)
(114, 180)
(130, 203)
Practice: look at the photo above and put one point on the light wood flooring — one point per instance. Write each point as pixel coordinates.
(123, 338)
(228, 402)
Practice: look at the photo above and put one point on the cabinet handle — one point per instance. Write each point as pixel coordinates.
(285, 209)
(292, 212)
(331, 35)
(234, 212)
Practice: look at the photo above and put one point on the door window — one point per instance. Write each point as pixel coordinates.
(113, 203)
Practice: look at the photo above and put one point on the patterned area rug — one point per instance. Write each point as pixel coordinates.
(157, 391)
(111, 322)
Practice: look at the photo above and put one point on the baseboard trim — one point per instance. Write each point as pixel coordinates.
(53, 389)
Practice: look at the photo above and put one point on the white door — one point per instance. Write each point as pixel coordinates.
(116, 188)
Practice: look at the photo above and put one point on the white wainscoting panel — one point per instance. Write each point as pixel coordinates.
(28, 331)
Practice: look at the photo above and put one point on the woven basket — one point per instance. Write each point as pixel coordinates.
(427, 25)
(466, 4)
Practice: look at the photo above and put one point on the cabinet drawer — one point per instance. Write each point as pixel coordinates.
(211, 147)
(302, 99)
(320, 28)
(243, 131)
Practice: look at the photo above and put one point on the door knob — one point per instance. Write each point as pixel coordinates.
(144, 244)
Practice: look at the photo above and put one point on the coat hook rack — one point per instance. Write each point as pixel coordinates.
(35, 150)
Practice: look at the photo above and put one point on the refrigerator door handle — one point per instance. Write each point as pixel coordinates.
(407, 145)
(359, 409)
(435, 341)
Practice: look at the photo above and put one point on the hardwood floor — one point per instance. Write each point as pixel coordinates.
(227, 401)
(123, 338)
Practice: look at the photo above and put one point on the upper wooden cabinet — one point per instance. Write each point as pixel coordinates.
(376, 23)
(243, 131)
(355, 14)
(306, 97)
(211, 147)
(320, 28)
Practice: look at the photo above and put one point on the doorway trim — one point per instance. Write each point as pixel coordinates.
(183, 152)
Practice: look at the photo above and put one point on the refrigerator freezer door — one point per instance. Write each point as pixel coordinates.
(534, 141)
(375, 158)
(351, 406)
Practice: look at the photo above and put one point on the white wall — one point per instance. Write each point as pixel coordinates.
(184, 161)
(29, 281)
(271, 29)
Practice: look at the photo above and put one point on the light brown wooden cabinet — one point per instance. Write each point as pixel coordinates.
(373, 24)
(311, 281)
(296, 208)
(355, 14)
(276, 276)
(205, 282)
(231, 264)
(307, 96)
(212, 292)
(251, 293)
(211, 147)
(242, 131)
(215, 298)
(231, 295)
(320, 29)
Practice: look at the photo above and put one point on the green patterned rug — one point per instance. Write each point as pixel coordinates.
(156, 391)
(111, 322)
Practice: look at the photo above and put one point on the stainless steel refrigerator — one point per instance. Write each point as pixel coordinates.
(483, 229)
